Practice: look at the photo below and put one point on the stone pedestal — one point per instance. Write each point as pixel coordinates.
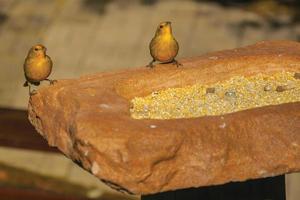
(260, 189)
(89, 120)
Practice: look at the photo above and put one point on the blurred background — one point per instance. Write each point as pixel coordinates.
(90, 36)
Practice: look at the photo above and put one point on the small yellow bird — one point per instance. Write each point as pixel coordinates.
(164, 47)
(37, 66)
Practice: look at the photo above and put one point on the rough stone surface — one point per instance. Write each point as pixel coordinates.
(88, 119)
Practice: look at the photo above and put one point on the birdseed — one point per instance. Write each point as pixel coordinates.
(236, 94)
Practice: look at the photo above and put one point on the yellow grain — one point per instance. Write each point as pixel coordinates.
(236, 94)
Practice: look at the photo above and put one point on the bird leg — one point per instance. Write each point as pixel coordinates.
(151, 64)
(51, 81)
(33, 92)
(175, 62)
(27, 84)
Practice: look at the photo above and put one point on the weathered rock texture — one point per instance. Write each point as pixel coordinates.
(88, 119)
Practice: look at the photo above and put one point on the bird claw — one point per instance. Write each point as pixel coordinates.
(150, 65)
(33, 92)
(175, 62)
(52, 82)
(25, 84)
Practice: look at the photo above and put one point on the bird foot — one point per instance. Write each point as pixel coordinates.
(33, 92)
(51, 81)
(150, 65)
(175, 62)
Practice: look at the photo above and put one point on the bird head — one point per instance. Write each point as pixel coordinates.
(164, 28)
(37, 51)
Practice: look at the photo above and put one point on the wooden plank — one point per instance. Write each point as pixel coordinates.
(31, 194)
(16, 131)
(268, 188)
(14, 181)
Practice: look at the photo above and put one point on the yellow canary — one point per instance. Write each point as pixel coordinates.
(163, 47)
(37, 66)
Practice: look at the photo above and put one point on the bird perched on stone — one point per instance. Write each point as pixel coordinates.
(163, 47)
(37, 66)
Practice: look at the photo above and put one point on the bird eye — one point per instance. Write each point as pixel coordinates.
(36, 49)
(161, 26)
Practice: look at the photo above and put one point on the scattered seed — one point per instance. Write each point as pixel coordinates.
(213, 58)
(95, 168)
(103, 105)
(223, 125)
(153, 126)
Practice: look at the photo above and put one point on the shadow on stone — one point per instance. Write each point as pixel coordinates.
(148, 2)
(267, 188)
(3, 18)
(98, 6)
(228, 3)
